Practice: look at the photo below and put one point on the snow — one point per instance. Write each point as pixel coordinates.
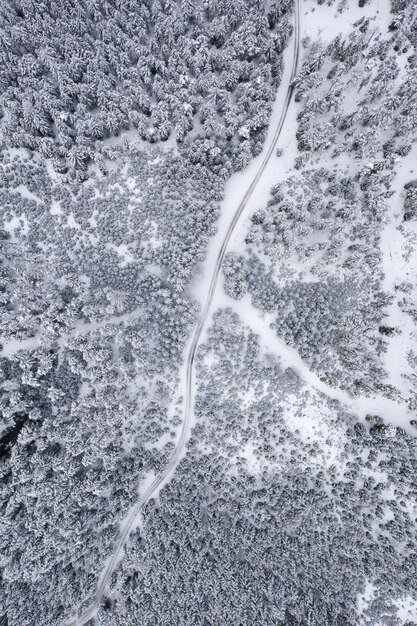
(123, 252)
(154, 269)
(407, 609)
(309, 418)
(325, 23)
(132, 137)
(396, 413)
(201, 289)
(392, 412)
(399, 260)
(12, 346)
(56, 208)
(366, 597)
(237, 186)
(72, 223)
(79, 328)
(16, 222)
(51, 171)
(25, 193)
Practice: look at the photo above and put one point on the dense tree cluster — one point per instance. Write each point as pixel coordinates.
(74, 74)
(319, 222)
(364, 94)
(410, 200)
(333, 323)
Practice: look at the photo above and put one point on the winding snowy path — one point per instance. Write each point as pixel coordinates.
(218, 249)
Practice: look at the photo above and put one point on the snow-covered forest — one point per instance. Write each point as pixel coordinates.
(208, 327)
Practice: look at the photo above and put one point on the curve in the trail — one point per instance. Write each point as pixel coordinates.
(131, 520)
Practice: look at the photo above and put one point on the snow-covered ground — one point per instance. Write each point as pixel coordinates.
(277, 169)
(242, 188)
(399, 256)
(249, 190)
(324, 23)
(394, 413)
